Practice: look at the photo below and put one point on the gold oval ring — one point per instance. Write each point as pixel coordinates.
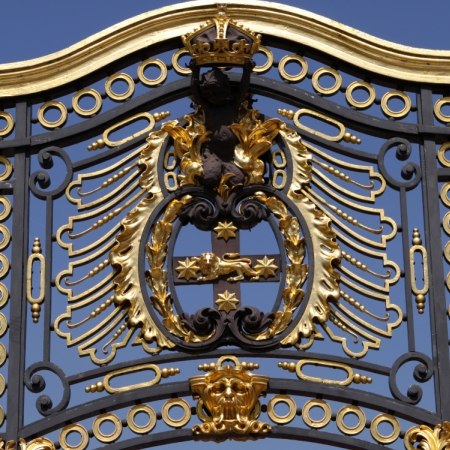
(441, 154)
(444, 194)
(52, 123)
(141, 429)
(9, 123)
(152, 81)
(75, 428)
(6, 208)
(4, 294)
(5, 236)
(7, 170)
(382, 438)
(183, 420)
(123, 77)
(446, 222)
(4, 265)
(346, 429)
(292, 58)
(279, 179)
(3, 354)
(364, 86)
(87, 93)
(326, 71)
(268, 64)
(286, 418)
(114, 435)
(176, 65)
(312, 422)
(438, 109)
(401, 112)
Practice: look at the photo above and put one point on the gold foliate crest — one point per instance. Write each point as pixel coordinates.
(228, 398)
(222, 41)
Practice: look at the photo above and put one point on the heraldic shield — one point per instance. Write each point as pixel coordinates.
(222, 171)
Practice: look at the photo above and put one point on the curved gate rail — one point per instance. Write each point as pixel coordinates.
(319, 248)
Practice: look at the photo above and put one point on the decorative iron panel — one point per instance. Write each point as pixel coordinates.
(244, 188)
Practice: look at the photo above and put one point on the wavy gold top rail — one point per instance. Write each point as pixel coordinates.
(329, 36)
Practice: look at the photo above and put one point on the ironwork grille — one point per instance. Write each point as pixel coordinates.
(352, 335)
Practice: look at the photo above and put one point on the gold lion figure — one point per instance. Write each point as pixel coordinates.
(212, 266)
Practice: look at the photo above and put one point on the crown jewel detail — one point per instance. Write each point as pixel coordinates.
(221, 41)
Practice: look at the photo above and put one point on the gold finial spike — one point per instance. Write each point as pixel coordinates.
(361, 379)
(289, 366)
(416, 238)
(99, 143)
(161, 115)
(420, 303)
(169, 372)
(286, 113)
(96, 387)
(348, 137)
(36, 246)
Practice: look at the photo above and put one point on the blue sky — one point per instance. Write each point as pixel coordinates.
(34, 28)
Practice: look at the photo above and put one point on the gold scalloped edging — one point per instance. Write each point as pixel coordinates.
(341, 41)
(5, 238)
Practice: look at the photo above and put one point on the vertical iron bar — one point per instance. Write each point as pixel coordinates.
(439, 334)
(48, 278)
(17, 320)
(406, 244)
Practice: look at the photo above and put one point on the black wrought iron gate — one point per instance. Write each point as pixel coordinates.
(245, 187)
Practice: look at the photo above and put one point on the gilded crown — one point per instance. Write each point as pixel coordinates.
(221, 41)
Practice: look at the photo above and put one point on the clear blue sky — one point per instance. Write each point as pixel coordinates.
(33, 28)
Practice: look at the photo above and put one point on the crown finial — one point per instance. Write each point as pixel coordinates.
(221, 41)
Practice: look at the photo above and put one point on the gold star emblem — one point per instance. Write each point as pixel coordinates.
(225, 230)
(226, 301)
(187, 269)
(266, 267)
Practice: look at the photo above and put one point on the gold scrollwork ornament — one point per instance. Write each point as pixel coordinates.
(424, 437)
(35, 444)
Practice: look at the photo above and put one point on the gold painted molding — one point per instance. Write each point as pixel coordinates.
(343, 42)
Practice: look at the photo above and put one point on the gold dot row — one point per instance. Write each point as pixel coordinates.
(315, 423)
(337, 84)
(116, 427)
(95, 96)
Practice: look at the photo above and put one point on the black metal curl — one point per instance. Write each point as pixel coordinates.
(422, 372)
(203, 322)
(41, 179)
(410, 172)
(250, 320)
(208, 208)
(36, 383)
(201, 212)
(247, 213)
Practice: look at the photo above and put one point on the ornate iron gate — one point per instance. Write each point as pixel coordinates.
(286, 227)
